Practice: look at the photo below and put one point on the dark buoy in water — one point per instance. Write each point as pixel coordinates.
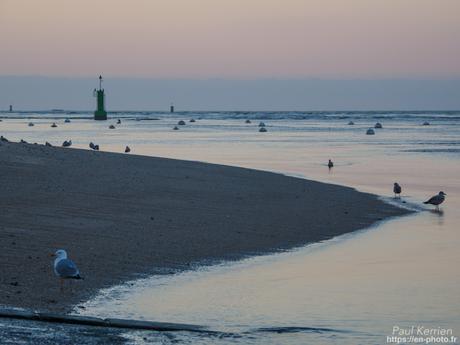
(100, 113)
(378, 125)
(351, 123)
(262, 129)
(261, 124)
(176, 128)
(192, 120)
(330, 164)
(370, 131)
(426, 123)
(247, 121)
(181, 123)
(171, 108)
(54, 125)
(67, 120)
(127, 149)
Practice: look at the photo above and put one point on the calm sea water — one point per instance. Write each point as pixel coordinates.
(351, 290)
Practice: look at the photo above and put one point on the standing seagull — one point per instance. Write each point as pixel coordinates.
(397, 189)
(65, 268)
(330, 164)
(437, 200)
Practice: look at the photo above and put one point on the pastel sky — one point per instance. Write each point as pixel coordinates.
(232, 39)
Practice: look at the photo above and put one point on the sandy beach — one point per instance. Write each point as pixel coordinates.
(126, 216)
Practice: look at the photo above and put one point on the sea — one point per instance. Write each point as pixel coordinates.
(373, 286)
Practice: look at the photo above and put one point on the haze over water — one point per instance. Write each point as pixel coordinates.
(350, 290)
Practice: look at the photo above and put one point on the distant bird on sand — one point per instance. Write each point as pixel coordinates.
(118, 121)
(48, 144)
(176, 128)
(351, 123)
(437, 199)
(111, 127)
(54, 125)
(67, 120)
(397, 189)
(93, 146)
(248, 121)
(67, 143)
(65, 268)
(378, 125)
(31, 124)
(330, 164)
(127, 149)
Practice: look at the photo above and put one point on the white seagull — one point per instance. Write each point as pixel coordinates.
(437, 199)
(65, 268)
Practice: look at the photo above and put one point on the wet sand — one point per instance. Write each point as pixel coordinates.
(126, 216)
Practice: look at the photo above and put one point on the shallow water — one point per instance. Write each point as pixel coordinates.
(350, 290)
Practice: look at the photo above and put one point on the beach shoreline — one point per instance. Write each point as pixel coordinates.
(126, 216)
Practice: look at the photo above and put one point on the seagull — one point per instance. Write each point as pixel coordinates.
(330, 164)
(118, 121)
(48, 144)
(93, 146)
(65, 268)
(437, 199)
(397, 189)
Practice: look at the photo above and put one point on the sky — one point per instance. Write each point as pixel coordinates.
(234, 40)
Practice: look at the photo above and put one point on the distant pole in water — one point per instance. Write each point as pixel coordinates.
(11, 108)
(100, 113)
(171, 108)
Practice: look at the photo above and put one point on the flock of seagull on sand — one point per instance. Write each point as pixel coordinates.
(68, 143)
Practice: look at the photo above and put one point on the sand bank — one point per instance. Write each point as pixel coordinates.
(122, 216)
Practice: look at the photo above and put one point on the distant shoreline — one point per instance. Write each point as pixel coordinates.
(124, 216)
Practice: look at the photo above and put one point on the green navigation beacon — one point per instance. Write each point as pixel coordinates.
(100, 113)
